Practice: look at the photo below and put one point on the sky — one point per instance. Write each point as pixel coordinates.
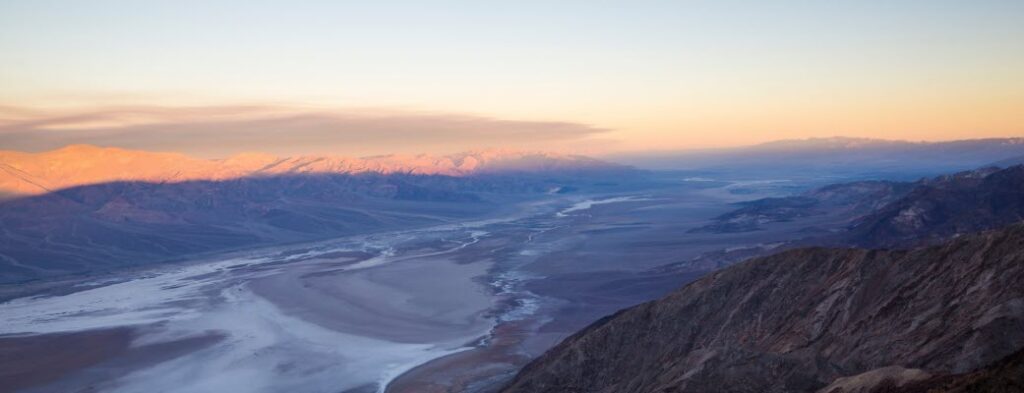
(369, 77)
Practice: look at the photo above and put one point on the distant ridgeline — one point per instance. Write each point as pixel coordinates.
(848, 157)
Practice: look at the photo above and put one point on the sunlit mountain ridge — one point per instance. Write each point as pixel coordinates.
(24, 173)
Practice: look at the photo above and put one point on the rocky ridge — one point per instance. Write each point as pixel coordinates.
(798, 320)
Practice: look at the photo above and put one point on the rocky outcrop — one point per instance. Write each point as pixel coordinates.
(798, 320)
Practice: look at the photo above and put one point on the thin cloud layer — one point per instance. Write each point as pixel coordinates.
(216, 131)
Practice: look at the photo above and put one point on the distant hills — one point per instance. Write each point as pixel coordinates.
(849, 200)
(894, 214)
(1009, 162)
(944, 207)
(36, 173)
(844, 156)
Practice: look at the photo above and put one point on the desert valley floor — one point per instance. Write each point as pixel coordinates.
(460, 305)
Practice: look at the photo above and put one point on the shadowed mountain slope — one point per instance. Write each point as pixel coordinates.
(797, 320)
(850, 200)
(945, 207)
(886, 214)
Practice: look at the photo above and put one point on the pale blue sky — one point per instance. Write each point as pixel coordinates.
(666, 72)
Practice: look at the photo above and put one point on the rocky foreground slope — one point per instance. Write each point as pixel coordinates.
(798, 320)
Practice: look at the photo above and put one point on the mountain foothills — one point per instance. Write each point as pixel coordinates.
(892, 213)
(84, 209)
(834, 320)
(944, 207)
(849, 200)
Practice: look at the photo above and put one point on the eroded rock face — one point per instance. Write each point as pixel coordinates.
(800, 319)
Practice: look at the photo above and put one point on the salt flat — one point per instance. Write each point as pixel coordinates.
(290, 319)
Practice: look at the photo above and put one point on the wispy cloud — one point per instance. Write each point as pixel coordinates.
(222, 130)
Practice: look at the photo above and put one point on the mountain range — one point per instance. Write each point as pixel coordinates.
(849, 157)
(24, 173)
